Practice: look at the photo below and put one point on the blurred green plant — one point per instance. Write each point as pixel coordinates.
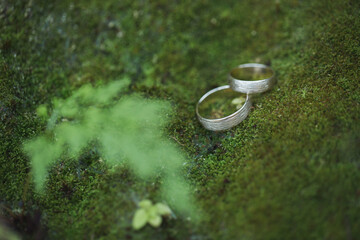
(7, 234)
(124, 127)
(150, 213)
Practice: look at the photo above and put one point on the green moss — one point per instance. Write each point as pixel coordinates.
(289, 170)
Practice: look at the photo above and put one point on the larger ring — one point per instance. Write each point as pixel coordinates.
(251, 78)
(220, 124)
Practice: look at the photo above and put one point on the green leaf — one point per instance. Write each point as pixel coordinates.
(155, 221)
(140, 219)
(76, 136)
(152, 212)
(42, 153)
(41, 111)
(105, 93)
(128, 129)
(145, 203)
(6, 233)
(163, 209)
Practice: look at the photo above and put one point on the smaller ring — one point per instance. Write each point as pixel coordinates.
(220, 124)
(240, 78)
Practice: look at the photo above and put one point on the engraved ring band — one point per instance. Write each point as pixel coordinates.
(251, 78)
(224, 123)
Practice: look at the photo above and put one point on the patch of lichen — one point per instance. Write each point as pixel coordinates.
(288, 171)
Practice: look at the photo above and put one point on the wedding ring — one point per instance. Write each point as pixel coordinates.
(251, 78)
(231, 120)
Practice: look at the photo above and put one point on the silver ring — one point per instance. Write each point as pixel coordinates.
(224, 123)
(251, 78)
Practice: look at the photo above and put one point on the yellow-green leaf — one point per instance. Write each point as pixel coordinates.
(163, 209)
(42, 111)
(155, 221)
(145, 203)
(140, 219)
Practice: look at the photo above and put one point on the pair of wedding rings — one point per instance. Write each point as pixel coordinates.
(244, 80)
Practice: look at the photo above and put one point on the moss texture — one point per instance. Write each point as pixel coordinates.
(289, 171)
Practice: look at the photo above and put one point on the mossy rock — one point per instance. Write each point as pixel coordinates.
(288, 171)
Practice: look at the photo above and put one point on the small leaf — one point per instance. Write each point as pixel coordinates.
(155, 221)
(42, 112)
(140, 219)
(145, 203)
(152, 211)
(163, 209)
(238, 102)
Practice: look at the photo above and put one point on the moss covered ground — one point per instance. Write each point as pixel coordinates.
(289, 171)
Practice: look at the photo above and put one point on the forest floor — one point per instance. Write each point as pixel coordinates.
(290, 170)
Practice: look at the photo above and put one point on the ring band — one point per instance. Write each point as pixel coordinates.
(220, 124)
(251, 78)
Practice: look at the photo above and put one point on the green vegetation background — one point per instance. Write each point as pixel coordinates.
(289, 171)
